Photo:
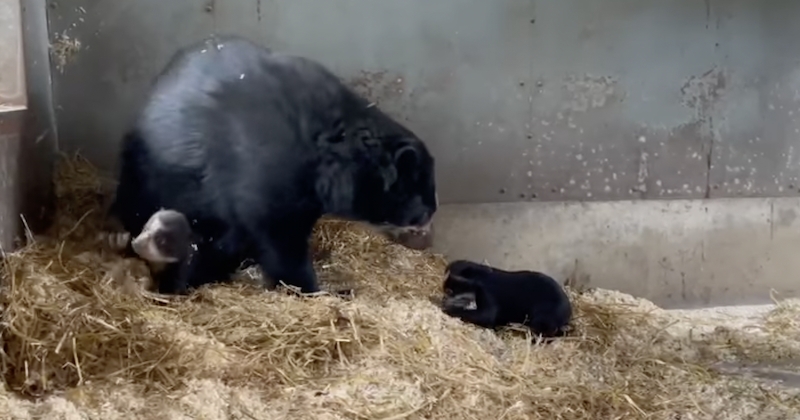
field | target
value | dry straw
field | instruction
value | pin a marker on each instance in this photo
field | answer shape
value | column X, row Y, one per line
column 81, row 336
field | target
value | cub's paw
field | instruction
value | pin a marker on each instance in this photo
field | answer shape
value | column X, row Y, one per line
column 115, row 241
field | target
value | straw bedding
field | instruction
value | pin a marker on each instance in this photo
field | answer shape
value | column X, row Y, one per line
column 81, row 339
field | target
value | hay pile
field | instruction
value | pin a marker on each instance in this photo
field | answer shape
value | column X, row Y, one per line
column 86, row 342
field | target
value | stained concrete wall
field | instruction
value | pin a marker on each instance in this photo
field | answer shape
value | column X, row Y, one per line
column 677, row 253
column 39, row 131
column 12, row 104
column 27, row 124
column 521, row 101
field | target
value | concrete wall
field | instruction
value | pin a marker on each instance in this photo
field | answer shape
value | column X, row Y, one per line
column 27, row 126
column 521, row 101
column 39, row 135
column 677, row 253
column 12, row 104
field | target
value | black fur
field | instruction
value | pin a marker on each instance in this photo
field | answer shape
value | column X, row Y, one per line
column 506, row 297
column 254, row 146
column 178, row 278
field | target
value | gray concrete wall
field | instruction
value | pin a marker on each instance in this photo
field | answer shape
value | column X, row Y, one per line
column 677, row 253
column 525, row 101
column 12, row 104
column 39, row 131
column 520, row 100
column 26, row 148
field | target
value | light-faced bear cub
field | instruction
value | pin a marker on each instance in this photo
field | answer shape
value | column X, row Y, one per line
column 171, row 250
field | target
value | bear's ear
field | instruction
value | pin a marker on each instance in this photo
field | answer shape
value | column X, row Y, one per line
column 406, row 159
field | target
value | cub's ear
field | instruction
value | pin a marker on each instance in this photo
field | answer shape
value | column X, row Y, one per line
column 406, row 159
column 459, row 281
column 468, row 269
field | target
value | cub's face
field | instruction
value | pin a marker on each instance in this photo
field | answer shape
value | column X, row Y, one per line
column 165, row 238
column 462, row 284
column 459, row 294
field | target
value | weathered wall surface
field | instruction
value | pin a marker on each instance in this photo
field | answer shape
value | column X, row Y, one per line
column 520, row 100
column 27, row 126
column 12, row 105
column 38, row 145
column 525, row 101
column 12, row 62
column 677, row 253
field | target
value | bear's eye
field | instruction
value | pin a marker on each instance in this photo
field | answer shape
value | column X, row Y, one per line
column 448, row 292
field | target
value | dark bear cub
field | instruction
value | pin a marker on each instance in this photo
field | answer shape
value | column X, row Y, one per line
column 492, row 298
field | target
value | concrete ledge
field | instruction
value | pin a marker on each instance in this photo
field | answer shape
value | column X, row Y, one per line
column 677, row 253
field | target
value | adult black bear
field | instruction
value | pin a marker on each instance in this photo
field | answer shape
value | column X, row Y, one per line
column 254, row 146
column 492, row 298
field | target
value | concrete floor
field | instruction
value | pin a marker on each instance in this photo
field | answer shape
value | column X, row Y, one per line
column 780, row 372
